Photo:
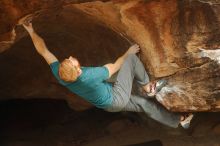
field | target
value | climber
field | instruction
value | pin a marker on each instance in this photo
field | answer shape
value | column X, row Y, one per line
column 90, row 82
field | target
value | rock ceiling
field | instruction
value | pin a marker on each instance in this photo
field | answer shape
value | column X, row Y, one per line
column 179, row 40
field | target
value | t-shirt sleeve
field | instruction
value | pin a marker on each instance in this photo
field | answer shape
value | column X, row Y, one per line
column 102, row 73
column 54, row 68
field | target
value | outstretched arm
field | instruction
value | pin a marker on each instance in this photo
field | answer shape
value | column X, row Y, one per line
column 39, row 44
column 114, row 67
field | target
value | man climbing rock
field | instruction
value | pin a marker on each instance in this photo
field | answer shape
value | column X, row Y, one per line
column 90, row 82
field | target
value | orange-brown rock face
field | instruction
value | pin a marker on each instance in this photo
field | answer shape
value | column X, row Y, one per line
column 171, row 33
column 11, row 11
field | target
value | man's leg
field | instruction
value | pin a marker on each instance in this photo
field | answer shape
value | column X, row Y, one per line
column 153, row 110
column 132, row 68
column 122, row 100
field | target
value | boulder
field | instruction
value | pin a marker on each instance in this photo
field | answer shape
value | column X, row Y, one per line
column 180, row 41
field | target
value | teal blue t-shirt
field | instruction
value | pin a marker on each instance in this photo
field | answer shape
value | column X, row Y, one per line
column 90, row 85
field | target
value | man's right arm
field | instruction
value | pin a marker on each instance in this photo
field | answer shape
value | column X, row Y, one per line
column 40, row 44
column 114, row 67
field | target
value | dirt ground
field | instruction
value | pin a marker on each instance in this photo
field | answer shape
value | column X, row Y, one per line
column 53, row 123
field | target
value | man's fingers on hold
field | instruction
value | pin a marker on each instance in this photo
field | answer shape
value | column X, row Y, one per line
column 135, row 45
column 25, row 19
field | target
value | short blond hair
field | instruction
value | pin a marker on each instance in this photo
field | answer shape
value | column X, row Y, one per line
column 67, row 71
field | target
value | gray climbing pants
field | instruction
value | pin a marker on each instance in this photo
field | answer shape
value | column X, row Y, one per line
column 123, row 100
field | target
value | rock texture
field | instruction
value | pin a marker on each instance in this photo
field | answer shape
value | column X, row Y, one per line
column 171, row 34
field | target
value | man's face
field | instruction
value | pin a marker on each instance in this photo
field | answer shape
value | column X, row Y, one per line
column 75, row 63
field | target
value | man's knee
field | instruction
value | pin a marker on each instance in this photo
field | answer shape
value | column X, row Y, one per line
column 132, row 58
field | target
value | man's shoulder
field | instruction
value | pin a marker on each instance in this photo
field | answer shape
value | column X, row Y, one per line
column 55, row 69
column 94, row 69
column 54, row 65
